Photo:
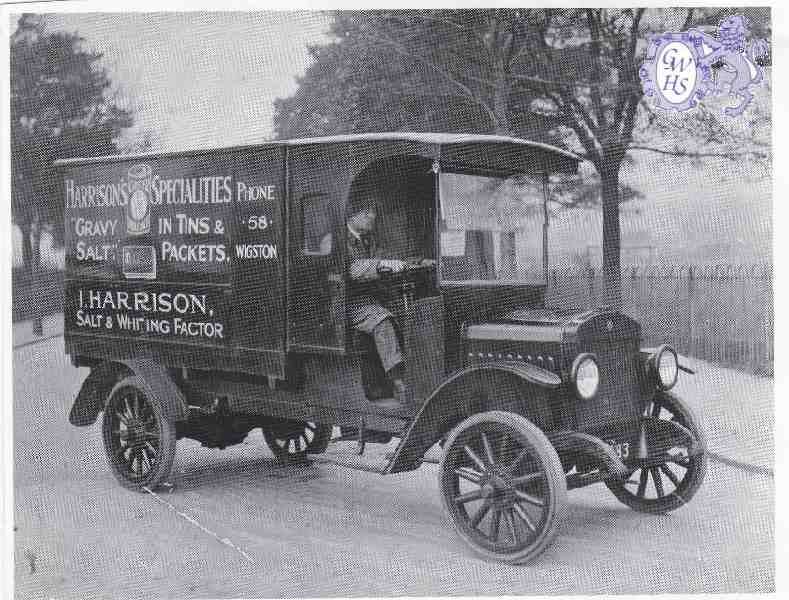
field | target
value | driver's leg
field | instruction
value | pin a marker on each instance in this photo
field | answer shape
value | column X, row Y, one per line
column 387, row 344
column 391, row 355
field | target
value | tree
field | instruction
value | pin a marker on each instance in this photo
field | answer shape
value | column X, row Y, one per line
column 599, row 96
column 61, row 107
column 564, row 75
column 411, row 70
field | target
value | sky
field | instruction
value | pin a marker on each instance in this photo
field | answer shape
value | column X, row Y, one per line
column 200, row 79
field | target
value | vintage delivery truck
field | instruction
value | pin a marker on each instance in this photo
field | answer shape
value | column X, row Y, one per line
column 207, row 293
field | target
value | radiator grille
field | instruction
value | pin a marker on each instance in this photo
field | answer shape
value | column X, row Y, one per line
column 620, row 399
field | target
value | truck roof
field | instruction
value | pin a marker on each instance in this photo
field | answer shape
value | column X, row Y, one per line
column 407, row 136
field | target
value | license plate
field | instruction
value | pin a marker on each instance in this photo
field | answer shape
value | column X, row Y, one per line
column 622, row 449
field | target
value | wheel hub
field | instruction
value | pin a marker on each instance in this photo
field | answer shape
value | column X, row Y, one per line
column 498, row 490
column 136, row 432
column 488, row 491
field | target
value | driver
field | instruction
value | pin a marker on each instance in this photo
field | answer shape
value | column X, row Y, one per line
column 365, row 312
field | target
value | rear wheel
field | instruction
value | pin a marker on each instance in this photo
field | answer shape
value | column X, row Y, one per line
column 665, row 487
column 503, row 485
column 292, row 441
column 139, row 439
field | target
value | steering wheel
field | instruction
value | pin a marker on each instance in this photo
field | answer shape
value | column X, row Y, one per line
column 416, row 265
column 424, row 263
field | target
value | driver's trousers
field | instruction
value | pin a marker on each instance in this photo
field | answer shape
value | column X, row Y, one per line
column 373, row 319
column 387, row 344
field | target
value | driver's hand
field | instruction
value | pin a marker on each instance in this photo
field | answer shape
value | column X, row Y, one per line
column 395, row 265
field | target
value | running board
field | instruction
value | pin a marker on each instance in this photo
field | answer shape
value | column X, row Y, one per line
column 348, row 457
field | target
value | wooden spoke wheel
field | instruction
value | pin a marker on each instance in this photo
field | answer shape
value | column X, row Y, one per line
column 138, row 438
column 503, row 486
column 661, row 488
column 292, row 441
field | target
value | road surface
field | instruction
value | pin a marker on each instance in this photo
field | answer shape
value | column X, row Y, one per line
column 236, row 524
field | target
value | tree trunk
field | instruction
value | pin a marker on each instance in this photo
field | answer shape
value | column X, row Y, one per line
column 35, row 246
column 612, row 275
column 501, row 98
column 27, row 248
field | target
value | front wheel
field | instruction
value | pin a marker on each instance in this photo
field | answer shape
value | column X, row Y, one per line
column 139, row 439
column 503, row 486
column 665, row 487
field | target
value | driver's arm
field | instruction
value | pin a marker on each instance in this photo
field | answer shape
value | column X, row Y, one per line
column 364, row 269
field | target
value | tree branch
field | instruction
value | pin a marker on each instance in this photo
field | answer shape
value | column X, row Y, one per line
column 510, row 52
column 573, row 123
column 582, row 112
column 594, row 32
column 430, row 17
column 574, row 83
column 688, row 19
column 689, row 154
column 628, row 70
column 400, row 50
column 629, row 121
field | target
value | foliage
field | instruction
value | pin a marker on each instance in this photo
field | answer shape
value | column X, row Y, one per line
column 412, row 70
column 60, row 108
column 567, row 76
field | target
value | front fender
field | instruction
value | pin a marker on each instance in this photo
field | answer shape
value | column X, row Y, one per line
column 527, row 371
column 521, row 388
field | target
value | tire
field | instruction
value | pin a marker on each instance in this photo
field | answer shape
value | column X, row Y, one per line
column 139, row 439
column 292, row 441
column 635, row 492
column 502, row 463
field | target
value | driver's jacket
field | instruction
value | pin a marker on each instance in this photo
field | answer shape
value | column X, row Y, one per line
column 364, row 311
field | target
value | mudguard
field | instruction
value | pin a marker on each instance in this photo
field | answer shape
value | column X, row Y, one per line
column 517, row 387
column 93, row 395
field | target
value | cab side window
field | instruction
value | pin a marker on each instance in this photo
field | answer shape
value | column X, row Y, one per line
column 316, row 225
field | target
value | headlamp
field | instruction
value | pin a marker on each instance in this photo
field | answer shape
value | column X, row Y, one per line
column 666, row 367
column 585, row 375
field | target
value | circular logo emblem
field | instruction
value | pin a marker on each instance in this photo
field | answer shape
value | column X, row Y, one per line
column 672, row 74
column 609, row 325
column 676, row 72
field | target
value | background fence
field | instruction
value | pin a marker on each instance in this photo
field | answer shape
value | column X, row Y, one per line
column 721, row 313
column 36, row 296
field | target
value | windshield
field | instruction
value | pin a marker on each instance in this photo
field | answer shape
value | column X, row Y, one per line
column 491, row 228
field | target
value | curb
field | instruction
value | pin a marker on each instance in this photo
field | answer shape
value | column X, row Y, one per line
column 39, row 340
column 738, row 464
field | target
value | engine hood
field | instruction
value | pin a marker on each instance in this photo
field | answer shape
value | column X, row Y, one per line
column 541, row 316
column 555, row 325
